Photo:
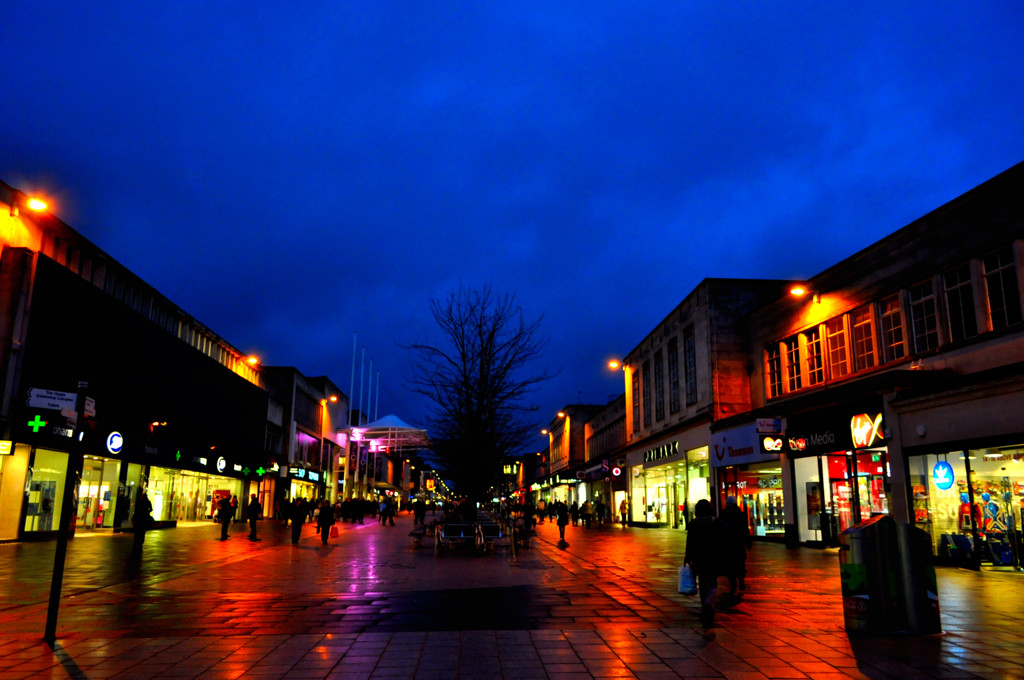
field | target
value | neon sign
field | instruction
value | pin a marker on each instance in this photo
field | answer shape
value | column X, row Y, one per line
column 865, row 430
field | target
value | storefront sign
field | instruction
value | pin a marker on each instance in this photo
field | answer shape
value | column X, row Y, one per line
column 773, row 444
column 663, row 451
column 942, row 475
column 297, row 473
column 221, row 464
column 866, row 430
column 115, row 442
column 770, row 425
column 312, row 476
column 739, row 446
column 6, row 448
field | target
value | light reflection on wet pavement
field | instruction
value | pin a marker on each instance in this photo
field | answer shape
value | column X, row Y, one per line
column 612, row 590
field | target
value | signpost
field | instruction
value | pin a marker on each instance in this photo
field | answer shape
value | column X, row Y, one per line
column 58, row 401
column 68, row 509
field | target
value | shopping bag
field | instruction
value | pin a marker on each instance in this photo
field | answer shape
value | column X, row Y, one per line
column 687, row 582
column 334, row 532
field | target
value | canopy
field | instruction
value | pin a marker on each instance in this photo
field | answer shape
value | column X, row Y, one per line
column 392, row 432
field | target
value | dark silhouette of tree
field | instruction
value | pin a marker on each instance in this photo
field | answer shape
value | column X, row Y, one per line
column 478, row 381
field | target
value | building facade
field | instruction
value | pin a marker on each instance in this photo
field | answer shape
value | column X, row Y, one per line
column 895, row 384
column 171, row 407
column 689, row 372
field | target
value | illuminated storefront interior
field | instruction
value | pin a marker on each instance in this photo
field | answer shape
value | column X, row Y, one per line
column 943, row 503
column 665, row 494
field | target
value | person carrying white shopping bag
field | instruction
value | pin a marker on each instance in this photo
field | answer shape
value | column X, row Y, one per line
column 704, row 545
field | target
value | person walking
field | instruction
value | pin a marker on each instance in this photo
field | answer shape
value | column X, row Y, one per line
column 562, row 518
column 234, row 507
column 541, row 510
column 298, row 519
column 252, row 512
column 704, row 545
column 586, row 513
column 142, row 519
column 599, row 512
column 324, row 521
column 574, row 513
column 224, row 514
column 623, row 510
column 737, row 542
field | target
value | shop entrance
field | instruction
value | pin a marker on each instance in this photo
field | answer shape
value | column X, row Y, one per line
column 95, row 501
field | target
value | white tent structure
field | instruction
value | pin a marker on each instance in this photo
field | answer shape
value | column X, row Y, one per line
column 391, row 432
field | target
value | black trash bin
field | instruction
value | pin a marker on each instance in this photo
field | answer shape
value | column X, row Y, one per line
column 869, row 569
column 918, row 584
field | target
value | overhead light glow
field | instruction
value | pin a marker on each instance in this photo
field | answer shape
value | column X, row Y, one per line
column 36, row 204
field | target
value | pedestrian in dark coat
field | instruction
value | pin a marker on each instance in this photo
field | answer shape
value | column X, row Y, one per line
column 704, row 546
column 142, row 519
column 224, row 514
column 252, row 513
column 562, row 515
column 298, row 518
column 324, row 521
column 737, row 542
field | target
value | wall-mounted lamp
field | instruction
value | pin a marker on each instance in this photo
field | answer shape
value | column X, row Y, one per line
column 32, row 203
column 561, row 414
column 800, row 290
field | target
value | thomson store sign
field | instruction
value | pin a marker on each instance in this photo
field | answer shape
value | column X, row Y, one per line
column 742, row 446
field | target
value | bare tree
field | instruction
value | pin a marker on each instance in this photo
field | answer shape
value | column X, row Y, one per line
column 478, row 382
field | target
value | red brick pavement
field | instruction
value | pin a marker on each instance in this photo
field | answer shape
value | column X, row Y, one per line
column 370, row 606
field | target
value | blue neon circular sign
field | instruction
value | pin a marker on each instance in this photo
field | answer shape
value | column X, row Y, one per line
column 114, row 442
column 942, row 475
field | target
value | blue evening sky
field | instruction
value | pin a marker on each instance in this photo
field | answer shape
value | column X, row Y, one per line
column 291, row 173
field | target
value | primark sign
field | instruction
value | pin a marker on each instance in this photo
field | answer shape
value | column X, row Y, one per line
column 668, row 450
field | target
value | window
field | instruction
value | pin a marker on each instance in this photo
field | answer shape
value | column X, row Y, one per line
column 647, row 393
column 963, row 323
column 773, row 371
column 793, row 379
column 815, row 365
column 673, row 376
column 838, row 354
column 636, row 401
column 923, row 324
column 1002, row 289
column 690, row 355
column 891, row 320
column 862, row 322
column 659, row 386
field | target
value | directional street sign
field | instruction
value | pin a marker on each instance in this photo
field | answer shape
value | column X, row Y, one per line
column 58, row 401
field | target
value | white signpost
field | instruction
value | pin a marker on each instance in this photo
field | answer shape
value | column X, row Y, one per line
column 58, row 401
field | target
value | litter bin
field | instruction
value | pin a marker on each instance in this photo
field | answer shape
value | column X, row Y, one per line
column 919, row 586
column 869, row 570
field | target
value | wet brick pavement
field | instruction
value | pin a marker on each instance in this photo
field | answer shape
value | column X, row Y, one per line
column 371, row 606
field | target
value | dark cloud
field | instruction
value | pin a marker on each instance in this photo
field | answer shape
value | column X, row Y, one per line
column 291, row 175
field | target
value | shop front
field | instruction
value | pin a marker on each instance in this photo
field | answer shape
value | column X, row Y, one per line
column 748, row 466
column 841, row 472
column 987, row 512
column 116, row 470
column 303, row 483
column 666, row 480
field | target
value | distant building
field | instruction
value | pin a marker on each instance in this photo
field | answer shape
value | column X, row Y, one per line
column 691, row 370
